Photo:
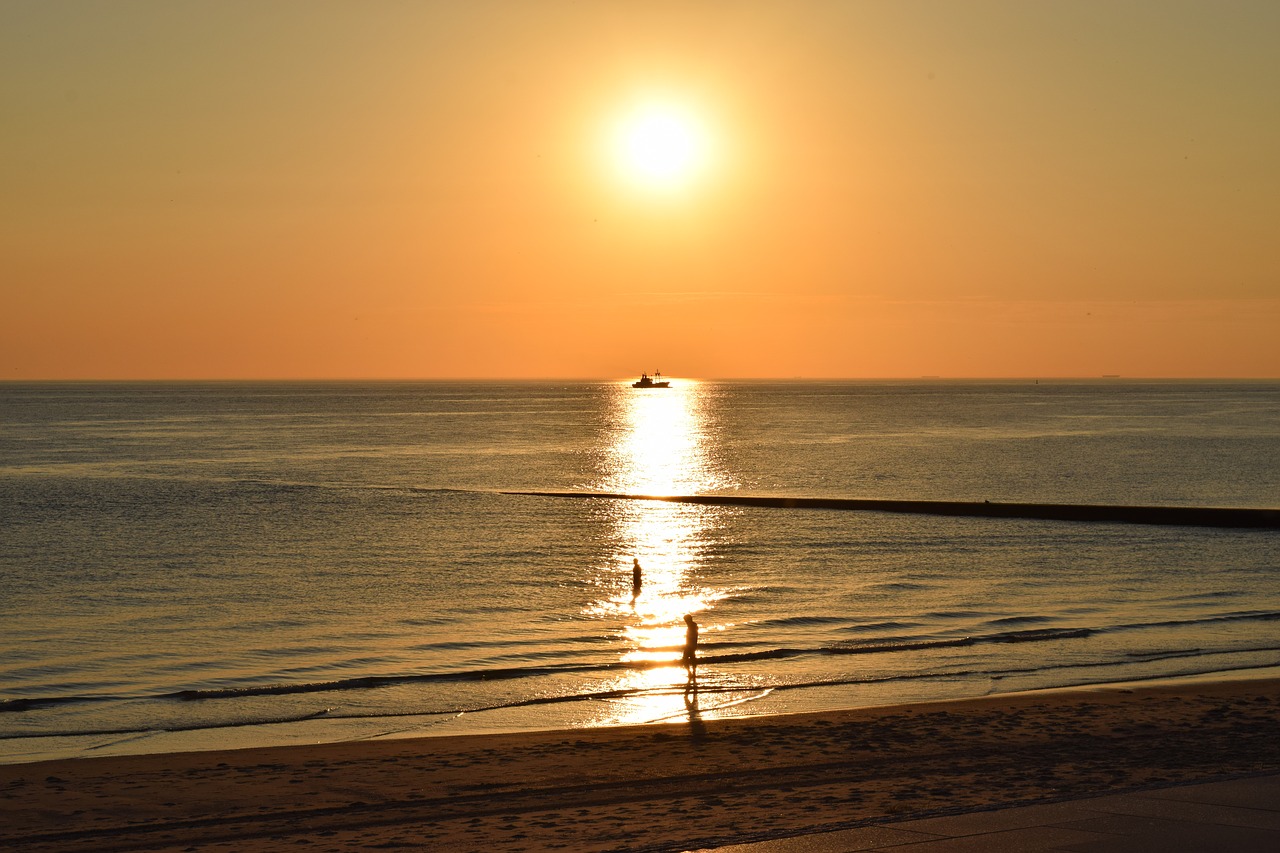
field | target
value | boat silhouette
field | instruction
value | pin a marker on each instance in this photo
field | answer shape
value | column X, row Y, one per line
column 656, row 381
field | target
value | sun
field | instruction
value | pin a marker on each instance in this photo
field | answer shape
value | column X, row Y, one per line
column 660, row 146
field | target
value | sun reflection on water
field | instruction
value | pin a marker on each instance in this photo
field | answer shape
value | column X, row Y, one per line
column 662, row 446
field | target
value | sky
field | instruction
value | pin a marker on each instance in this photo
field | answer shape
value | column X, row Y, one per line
column 400, row 190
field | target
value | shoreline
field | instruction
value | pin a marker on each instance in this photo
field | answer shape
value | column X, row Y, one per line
column 715, row 703
column 679, row 786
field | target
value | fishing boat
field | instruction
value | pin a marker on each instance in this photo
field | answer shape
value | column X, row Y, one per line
column 656, row 381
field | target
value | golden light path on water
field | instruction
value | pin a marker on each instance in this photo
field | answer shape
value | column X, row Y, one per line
column 663, row 445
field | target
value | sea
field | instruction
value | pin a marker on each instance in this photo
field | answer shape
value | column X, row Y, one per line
column 208, row 565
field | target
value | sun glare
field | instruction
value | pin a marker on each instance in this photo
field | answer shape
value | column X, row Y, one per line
column 660, row 146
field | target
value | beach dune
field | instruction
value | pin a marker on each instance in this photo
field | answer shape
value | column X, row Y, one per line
column 669, row 787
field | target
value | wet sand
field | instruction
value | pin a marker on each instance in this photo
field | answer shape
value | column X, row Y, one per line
column 673, row 787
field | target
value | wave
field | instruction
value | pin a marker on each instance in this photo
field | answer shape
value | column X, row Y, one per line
column 1036, row 635
column 898, row 586
column 889, row 625
column 195, row 727
column 12, row 706
column 907, row 646
column 801, row 621
column 709, row 655
column 999, row 674
column 370, row 682
column 1244, row 616
column 1019, row 620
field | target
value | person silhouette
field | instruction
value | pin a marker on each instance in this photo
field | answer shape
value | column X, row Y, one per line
column 690, row 658
column 635, row 577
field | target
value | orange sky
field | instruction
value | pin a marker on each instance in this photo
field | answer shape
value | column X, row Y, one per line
column 428, row 189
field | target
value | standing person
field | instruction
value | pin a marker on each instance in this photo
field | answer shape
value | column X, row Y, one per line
column 635, row 577
column 690, row 658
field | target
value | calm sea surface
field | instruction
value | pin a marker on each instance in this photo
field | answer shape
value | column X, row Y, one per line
column 202, row 565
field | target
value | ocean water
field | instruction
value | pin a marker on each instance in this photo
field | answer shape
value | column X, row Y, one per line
column 192, row 566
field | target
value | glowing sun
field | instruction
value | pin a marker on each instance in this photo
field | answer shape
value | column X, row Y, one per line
column 660, row 146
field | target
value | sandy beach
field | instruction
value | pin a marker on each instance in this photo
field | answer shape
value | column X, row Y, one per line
column 671, row 787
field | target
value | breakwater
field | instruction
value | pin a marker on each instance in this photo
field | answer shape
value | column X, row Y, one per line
column 1185, row 516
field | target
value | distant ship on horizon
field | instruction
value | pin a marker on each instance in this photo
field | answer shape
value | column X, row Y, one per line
column 656, row 381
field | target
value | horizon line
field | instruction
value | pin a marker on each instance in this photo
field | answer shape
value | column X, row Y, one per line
column 394, row 379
